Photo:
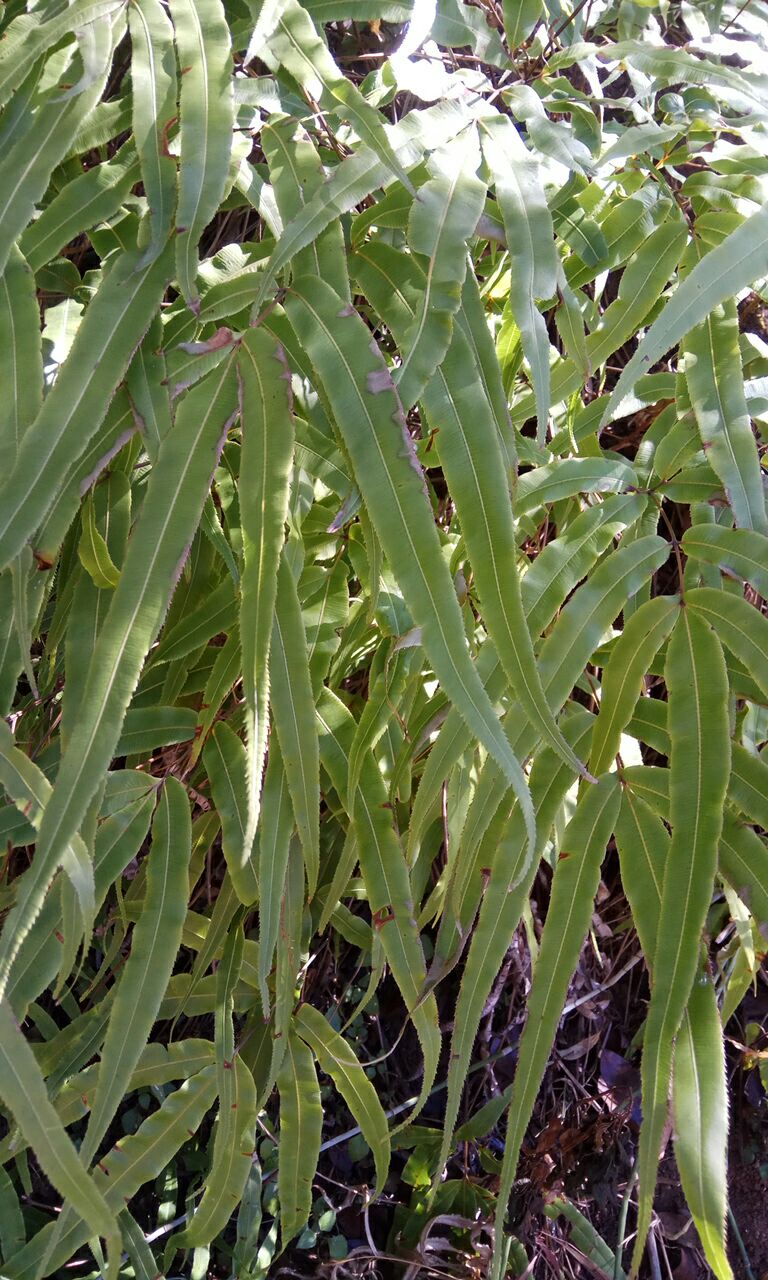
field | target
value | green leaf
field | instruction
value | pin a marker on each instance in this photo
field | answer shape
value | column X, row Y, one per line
column 118, row 839
column 643, row 844
column 155, row 942
column 584, row 1236
column 370, row 418
column 474, row 324
column 297, row 173
column 147, row 386
column 301, row 1123
column 21, row 365
column 159, row 541
column 116, row 430
column 263, row 487
column 520, row 20
column 700, row 1109
column 567, row 476
column 94, row 197
column 147, row 728
column 355, row 178
column 748, row 787
column 575, row 883
column 296, row 45
column 642, row 281
column 716, row 387
column 12, row 1229
column 443, row 216
column 153, row 101
column 26, row 167
column 740, row 626
column 274, row 845
column 741, row 552
column 233, row 1144
column 224, row 759
column 31, row 791
column 337, row 1058
column 93, row 551
column 154, row 945
column 293, row 708
column 553, row 576
column 24, row 1093
column 27, row 37
column 223, row 674
column 741, row 258
column 206, row 112
column 500, row 911
column 744, row 863
column 699, row 1096
column 473, row 463
column 216, row 612
column 110, row 516
column 135, row 1160
column 700, row 761
column 530, row 237
column 643, row 635
column 141, row 1256
column 74, row 409
column 388, row 886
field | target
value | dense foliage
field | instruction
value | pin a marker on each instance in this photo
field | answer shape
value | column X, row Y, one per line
column 382, row 529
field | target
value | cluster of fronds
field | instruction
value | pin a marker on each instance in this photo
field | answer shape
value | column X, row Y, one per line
column 381, row 514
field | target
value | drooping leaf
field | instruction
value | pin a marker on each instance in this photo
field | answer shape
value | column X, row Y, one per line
column 159, row 541
column 699, row 1099
column 274, row 844
column 224, row 759
column 699, row 767
column 267, row 426
column 301, row 1122
column 370, row 419
column 154, row 945
column 337, row 1058
column 153, row 73
column 23, row 1091
column 574, row 887
column 385, row 872
column 737, row 551
column 716, row 387
column 136, row 1159
column 444, row 214
column 293, row 707
column 233, row 1145
column 206, row 112
column 499, row 914
column 741, row 258
column 473, row 462
column 643, row 635
column 529, row 232
column 72, row 412
column 700, row 1108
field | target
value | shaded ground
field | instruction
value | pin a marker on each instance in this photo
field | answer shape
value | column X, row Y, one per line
column 582, row 1142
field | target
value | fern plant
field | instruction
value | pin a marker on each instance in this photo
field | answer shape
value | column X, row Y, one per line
column 381, row 513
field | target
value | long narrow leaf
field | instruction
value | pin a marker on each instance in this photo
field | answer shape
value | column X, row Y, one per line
column 370, row 418
column 206, row 109
column 267, row 450
column 160, row 540
column 699, row 767
column 574, row 887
